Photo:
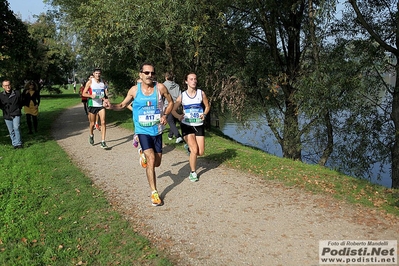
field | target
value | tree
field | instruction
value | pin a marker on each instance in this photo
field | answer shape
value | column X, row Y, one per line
column 378, row 20
column 252, row 57
column 347, row 84
column 249, row 46
column 53, row 57
column 275, row 63
column 34, row 51
column 171, row 34
column 15, row 46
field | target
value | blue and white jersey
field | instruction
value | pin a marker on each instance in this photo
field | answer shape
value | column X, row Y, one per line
column 193, row 108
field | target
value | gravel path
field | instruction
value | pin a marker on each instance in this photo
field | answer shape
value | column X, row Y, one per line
column 228, row 217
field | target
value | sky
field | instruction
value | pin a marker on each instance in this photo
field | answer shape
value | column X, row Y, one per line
column 25, row 9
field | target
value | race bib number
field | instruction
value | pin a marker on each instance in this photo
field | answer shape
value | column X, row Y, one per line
column 192, row 115
column 149, row 120
column 99, row 94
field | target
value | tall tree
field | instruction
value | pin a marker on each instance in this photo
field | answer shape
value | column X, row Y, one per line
column 275, row 63
column 379, row 21
column 15, row 46
column 53, row 59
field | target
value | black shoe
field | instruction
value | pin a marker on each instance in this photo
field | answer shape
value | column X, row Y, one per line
column 18, row 147
column 91, row 140
column 104, row 146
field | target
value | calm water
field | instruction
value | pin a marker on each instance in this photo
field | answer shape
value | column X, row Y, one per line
column 261, row 137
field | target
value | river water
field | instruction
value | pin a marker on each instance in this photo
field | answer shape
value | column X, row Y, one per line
column 261, row 138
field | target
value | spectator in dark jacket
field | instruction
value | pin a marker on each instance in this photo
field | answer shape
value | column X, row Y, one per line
column 11, row 105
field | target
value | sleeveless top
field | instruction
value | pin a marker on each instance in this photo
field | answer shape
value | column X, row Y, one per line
column 193, row 108
column 97, row 89
column 147, row 110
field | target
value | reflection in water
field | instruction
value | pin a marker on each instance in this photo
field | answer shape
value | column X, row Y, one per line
column 252, row 136
column 261, row 137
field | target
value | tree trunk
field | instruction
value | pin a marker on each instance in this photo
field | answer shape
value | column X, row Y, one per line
column 315, row 52
column 292, row 138
column 168, row 51
column 395, row 119
column 330, row 141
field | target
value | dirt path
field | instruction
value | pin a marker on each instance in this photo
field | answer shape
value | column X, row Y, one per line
column 227, row 218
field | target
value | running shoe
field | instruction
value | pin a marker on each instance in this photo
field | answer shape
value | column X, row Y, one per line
column 135, row 141
column 97, row 126
column 179, row 139
column 187, row 148
column 169, row 138
column 155, row 199
column 103, row 145
column 193, row 177
column 143, row 160
column 91, row 140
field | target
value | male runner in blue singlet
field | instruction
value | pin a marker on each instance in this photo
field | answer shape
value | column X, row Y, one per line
column 149, row 118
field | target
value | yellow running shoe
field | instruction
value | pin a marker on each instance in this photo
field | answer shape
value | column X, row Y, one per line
column 142, row 160
column 155, row 199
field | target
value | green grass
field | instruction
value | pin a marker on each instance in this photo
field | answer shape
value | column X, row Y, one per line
column 314, row 178
column 51, row 214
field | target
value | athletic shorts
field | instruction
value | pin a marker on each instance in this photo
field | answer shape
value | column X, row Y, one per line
column 197, row 130
column 95, row 110
column 151, row 142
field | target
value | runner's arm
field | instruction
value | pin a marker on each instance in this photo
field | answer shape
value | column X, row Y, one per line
column 176, row 106
column 165, row 93
column 128, row 99
column 206, row 104
column 85, row 92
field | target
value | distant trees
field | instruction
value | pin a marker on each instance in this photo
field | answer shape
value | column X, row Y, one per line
column 52, row 59
column 35, row 50
column 15, row 46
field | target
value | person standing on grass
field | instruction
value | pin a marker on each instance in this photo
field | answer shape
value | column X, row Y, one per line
column 149, row 118
column 11, row 105
column 97, row 98
column 174, row 90
column 193, row 101
column 74, row 86
column 31, row 99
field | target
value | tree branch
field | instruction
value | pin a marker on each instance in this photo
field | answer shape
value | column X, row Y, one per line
column 373, row 34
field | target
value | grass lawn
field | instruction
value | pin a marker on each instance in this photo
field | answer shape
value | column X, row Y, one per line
column 50, row 212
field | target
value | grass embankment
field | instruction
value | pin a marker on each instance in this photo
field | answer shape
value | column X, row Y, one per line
column 50, row 212
column 52, row 215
